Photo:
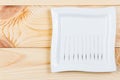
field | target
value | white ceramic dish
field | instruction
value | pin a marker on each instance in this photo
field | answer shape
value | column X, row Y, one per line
column 83, row 39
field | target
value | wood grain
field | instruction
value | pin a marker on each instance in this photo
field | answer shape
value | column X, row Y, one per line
column 31, row 26
column 60, row 2
column 26, row 28
column 34, row 64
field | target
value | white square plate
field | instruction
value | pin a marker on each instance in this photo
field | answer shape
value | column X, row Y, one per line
column 83, row 39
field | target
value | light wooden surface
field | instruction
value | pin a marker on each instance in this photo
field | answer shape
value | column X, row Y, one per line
column 34, row 64
column 32, row 27
column 60, row 2
column 35, row 31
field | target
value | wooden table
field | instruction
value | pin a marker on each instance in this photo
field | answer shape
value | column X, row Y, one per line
column 29, row 57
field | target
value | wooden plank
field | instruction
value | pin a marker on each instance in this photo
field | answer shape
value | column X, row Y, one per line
column 33, row 27
column 33, row 64
column 42, row 73
column 60, row 2
column 23, row 57
column 26, row 28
